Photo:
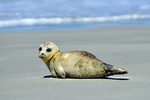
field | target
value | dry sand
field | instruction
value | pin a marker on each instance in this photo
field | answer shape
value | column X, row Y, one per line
column 22, row 72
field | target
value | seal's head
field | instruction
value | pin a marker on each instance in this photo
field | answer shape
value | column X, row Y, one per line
column 47, row 50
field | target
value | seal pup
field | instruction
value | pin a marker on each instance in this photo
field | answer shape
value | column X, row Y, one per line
column 75, row 64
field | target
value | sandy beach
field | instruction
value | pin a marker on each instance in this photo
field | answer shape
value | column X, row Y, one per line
column 22, row 72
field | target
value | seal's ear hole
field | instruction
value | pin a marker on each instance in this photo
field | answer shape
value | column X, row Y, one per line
column 40, row 48
column 48, row 49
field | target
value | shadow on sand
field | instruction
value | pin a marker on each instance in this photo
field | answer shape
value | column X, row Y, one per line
column 48, row 76
column 108, row 78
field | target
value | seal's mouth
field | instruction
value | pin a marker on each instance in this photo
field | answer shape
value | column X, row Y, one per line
column 42, row 56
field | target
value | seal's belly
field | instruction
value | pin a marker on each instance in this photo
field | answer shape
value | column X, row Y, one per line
column 84, row 69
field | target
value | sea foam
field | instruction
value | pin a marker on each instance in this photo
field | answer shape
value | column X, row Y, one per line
column 60, row 20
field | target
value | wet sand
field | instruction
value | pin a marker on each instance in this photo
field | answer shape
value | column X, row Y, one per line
column 22, row 72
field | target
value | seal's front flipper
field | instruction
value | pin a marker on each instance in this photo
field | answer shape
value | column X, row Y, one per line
column 113, row 70
column 60, row 71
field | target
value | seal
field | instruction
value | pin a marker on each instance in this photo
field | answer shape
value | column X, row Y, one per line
column 75, row 64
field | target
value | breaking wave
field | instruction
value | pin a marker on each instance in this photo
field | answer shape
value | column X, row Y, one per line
column 59, row 20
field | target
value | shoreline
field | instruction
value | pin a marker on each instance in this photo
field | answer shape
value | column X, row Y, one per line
column 80, row 29
column 25, row 30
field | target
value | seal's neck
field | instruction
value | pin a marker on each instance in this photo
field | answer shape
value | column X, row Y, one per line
column 47, row 60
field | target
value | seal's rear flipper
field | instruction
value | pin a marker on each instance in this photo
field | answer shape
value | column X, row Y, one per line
column 113, row 70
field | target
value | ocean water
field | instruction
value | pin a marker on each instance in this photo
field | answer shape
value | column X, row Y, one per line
column 54, row 15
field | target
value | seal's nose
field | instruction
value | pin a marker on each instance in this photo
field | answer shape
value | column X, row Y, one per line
column 42, row 53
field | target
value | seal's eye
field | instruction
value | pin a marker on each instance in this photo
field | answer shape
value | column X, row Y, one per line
column 40, row 49
column 48, row 49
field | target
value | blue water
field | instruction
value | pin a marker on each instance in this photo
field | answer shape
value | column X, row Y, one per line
column 53, row 15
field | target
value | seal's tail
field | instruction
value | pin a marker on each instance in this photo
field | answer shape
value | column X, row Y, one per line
column 113, row 70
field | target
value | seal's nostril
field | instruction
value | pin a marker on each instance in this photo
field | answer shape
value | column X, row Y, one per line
column 42, row 53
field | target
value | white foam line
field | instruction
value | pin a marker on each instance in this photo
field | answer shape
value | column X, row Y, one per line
column 34, row 21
